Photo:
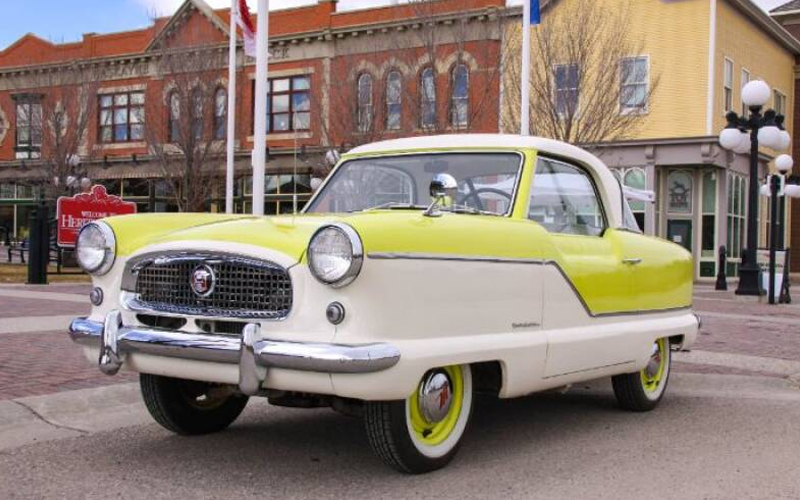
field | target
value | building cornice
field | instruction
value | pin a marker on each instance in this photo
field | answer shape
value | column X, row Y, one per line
column 379, row 28
column 785, row 13
column 771, row 26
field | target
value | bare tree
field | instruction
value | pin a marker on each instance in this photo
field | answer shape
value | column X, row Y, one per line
column 182, row 129
column 585, row 87
column 60, row 121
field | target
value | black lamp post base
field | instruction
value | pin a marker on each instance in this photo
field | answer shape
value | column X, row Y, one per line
column 749, row 282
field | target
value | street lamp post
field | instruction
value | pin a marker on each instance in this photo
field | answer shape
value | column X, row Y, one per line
column 777, row 189
column 753, row 131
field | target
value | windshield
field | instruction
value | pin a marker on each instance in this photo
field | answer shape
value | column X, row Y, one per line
column 486, row 183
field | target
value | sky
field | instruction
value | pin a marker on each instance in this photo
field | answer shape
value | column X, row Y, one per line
column 66, row 21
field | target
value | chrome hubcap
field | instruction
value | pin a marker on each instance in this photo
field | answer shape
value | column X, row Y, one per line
column 654, row 364
column 435, row 397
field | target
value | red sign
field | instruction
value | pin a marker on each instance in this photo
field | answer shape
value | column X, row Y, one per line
column 73, row 213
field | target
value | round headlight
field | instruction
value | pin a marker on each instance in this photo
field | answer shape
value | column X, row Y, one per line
column 335, row 255
column 96, row 248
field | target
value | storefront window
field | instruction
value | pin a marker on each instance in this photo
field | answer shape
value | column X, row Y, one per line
column 162, row 188
column 279, row 193
column 737, row 226
column 26, row 192
column 112, row 186
column 15, row 211
column 23, row 223
column 7, row 192
column 679, row 192
column 659, row 178
column 6, row 222
column 708, row 240
column 136, row 188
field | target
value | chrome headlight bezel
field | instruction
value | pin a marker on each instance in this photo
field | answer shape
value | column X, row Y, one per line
column 356, row 255
column 109, row 248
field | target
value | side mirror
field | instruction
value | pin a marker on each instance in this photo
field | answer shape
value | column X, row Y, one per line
column 440, row 185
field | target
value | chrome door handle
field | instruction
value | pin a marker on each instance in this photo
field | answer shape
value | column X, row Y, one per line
column 632, row 262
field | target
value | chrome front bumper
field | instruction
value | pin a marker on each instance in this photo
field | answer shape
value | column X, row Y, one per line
column 253, row 354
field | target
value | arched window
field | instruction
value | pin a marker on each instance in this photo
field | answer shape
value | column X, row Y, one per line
column 459, row 110
column 394, row 106
column 364, row 102
column 220, row 113
column 198, row 108
column 174, row 117
column 428, row 98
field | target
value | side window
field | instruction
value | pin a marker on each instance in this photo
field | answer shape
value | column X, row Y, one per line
column 564, row 200
column 631, row 223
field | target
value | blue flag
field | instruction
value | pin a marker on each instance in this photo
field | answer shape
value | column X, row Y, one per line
column 536, row 13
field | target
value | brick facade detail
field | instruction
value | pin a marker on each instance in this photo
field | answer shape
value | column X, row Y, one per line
column 331, row 47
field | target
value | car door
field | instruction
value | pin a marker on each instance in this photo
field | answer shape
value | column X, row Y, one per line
column 587, row 277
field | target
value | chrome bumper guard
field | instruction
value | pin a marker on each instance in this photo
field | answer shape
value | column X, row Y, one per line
column 253, row 355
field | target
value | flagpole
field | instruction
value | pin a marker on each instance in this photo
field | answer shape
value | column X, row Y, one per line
column 525, row 77
column 229, row 172
column 260, row 129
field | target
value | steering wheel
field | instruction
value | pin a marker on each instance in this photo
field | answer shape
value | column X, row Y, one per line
column 476, row 194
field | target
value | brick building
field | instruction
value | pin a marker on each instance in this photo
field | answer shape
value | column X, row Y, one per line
column 337, row 79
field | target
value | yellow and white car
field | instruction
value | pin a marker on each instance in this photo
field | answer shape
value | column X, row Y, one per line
column 423, row 271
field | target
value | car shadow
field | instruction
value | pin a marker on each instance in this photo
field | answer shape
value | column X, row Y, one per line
column 321, row 448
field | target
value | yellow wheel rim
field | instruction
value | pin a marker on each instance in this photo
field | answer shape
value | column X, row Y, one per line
column 651, row 379
column 435, row 433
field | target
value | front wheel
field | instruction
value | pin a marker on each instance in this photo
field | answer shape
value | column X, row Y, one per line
column 422, row 433
column 189, row 407
column 642, row 391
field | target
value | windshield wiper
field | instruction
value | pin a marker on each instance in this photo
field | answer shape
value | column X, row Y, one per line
column 392, row 205
column 464, row 209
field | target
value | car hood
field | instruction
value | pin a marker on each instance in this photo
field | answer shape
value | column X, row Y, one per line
column 380, row 231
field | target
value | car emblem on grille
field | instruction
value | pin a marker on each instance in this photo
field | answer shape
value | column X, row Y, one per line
column 202, row 281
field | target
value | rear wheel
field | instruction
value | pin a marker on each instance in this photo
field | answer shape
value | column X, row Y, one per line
column 423, row 433
column 189, row 407
column 642, row 391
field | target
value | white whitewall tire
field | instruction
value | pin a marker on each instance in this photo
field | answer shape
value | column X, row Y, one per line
column 423, row 432
column 643, row 390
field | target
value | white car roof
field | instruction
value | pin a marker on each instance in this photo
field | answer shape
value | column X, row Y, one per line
column 607, row 184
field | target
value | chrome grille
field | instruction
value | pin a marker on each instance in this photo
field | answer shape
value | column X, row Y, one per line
column 243, row 288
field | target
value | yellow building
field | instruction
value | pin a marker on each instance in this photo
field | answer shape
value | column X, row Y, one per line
column 693, row 57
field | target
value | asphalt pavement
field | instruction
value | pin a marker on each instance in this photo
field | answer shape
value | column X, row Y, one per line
column 714, row 437
column 728, row 428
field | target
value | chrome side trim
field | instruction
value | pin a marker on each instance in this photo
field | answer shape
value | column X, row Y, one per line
column 451, row 258
column 623, row 363
column 504, row 260
column 302, row 356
